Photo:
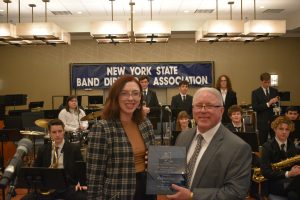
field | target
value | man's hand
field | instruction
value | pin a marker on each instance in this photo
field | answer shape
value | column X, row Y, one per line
column 146, row 109
column 295, row 171
column 181, row 194
column 78, row 187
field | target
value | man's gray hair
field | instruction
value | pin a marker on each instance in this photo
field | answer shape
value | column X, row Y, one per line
column 211, row 90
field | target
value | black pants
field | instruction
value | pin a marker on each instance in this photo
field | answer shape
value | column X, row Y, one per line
column 140, row 191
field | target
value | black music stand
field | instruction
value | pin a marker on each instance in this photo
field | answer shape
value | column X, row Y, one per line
column 41, row 178
column 36, row 104
column 250, row 138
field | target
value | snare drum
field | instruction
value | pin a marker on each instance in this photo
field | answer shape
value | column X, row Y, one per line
column 73, row 136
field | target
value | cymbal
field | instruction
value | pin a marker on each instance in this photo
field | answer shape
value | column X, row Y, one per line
column 91, row 116
column 33, row 133
column 43, row 123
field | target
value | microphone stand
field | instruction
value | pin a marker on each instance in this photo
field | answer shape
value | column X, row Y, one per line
column 170, row 126
column 11, row 191
column 161, row 126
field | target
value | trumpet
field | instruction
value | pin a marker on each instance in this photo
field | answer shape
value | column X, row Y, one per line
column 276, row 107
column 54, row 164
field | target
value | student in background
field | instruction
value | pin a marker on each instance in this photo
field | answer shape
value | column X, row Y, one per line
column 264, row 99
column 293, row 114
column 71, row 116
column 66, row 156
column 182, row 101
column 237, row 124
column 286, row 181
column 228, row 95
column 182, row 121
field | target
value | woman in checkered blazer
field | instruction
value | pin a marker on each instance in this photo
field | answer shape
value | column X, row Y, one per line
column 118, row 145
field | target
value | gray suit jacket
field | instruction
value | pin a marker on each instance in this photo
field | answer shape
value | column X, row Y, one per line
column 224, row 169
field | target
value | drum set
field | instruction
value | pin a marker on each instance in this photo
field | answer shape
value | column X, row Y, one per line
column 78, row 137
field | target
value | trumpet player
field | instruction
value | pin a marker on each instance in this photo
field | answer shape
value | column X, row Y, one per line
column 60, row 154
column 264, row 100
column 286, row 180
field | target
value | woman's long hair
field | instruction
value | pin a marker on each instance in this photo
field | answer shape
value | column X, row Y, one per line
column 218, row 84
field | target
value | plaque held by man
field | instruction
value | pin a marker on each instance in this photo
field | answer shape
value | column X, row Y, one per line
column 166, row 165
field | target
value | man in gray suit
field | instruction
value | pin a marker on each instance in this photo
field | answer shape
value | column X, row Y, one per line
column 222, row 167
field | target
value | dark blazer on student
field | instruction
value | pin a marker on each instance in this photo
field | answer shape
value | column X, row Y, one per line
column 271, row 154
column 71, row 154
column 246, row 128
column 259, row 104
column 152, row 103
column 177, row 105
column 265, row 114
column 230, row 100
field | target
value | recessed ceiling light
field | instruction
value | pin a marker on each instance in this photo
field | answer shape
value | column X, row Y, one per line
column 79, row 12
column 186, row 11
column 1, row 10
column 261, row 7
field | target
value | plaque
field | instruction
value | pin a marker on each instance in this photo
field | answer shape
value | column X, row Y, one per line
column 166, row 165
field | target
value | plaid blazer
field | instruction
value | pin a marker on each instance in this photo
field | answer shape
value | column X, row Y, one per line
column 110, row 160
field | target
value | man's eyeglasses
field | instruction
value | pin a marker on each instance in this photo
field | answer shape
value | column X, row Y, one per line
column 206, row 107
column 135, row 94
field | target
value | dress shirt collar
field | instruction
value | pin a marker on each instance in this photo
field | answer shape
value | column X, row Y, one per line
column 280, row 143
column 265, row 90
column 223, row 91
column 208, row 135
column 145, row 90
column 61, row 145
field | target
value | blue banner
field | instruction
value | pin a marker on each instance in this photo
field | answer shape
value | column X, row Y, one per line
column 162, row 75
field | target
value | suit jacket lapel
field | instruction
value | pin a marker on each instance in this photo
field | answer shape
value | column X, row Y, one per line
column 66, row 152
column 208, row 154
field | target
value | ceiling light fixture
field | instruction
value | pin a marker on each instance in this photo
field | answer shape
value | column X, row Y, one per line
column 41, row 32
column 151, row 31
column 264, row 29
column 220, row 30
column 7, row 30
column 110, row 31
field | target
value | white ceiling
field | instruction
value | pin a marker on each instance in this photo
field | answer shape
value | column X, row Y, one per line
column 179, row 12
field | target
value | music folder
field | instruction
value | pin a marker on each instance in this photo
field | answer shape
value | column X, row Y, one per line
column 166, row 166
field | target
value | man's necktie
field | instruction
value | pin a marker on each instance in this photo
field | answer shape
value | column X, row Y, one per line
column 183, row 98
column 267, row 92
column 192, row 161
column 144, row 95
column 55, row 158
column 282, row 151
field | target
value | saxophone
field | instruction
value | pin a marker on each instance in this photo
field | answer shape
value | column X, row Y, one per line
column 257, row 173
column 54, row 164
column 54, row 161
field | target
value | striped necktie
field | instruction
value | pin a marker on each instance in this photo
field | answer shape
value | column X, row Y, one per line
column 193, row 159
